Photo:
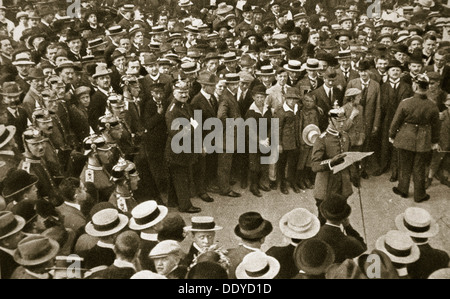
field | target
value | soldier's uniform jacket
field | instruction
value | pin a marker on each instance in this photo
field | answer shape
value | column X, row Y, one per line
column 123, row 203
column 180, row 110
column 328, row 145
column 46, row 184
column 415, row 126
column 96, row 175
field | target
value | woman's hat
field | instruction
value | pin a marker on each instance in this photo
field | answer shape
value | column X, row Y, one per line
column 106, row 222
column 6, row 134
column 146, row 215
column 16, row 181
column 257, row 265
column 252, row 226
column 203, row 224
column 223, row 8
column 313, row 256
column 35, row 250
column 299, row 224
column 10, row 224
column 335, row 208
column 293, row 66
column 310, row 134
column 417, row 223
column 399, row 247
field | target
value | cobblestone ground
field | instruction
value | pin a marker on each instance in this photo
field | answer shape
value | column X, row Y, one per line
column 379, row 204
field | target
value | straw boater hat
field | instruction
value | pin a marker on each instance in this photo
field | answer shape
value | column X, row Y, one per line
column 190, row 67
column 266, row 70
column 10, row 224
column 310, row 134
column 146, row 215
column 35, row 250
column 417, row 223
column 293, row 66
column 6, row 134
column 22, row 59
column 257, row 265
column 115, row 30
column 399, row 247
column 202, row 224
column 299, row 224
column 106, row 223
column 312, row 64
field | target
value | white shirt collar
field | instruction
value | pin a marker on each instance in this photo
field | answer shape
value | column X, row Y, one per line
column 365, row 83
column 255, row 108
column 123, row 264
column 104, row 245
column 340, row 226
column 327, row 89
column 197, row 247
column 207, row 96
column 402, row 272
column 106, row 92
column 73, row 205
column 149, row 237
column 251, row 248
column 154, row 78
column 287, row 108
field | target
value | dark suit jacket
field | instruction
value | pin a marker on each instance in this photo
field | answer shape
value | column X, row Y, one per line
column 97, row 108
column 146, row 262
column 304, row 85
column 342, row 81
column 247, row 101
column 7, row 265
column 114, row 272
column 73, row 218
column 445, row 79
column 345, row 247
column 79, row 120
column 325, row 104
column 189, row 257
column 115, row 80
column 155, row 137
column 285, row 255
column 430, row 260
column 228, row 108
column 29, row 102
column 99, row 256
column 199, row 102
column 147, row 82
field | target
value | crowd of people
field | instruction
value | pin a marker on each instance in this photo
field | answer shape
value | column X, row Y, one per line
column 93, row 103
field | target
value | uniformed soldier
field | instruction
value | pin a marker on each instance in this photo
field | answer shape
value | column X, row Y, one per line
column 415, row 132
column 99, row 154
column 111, row 129
column 125, row 178
column 180, row 163
column 34, row 163
column 328, row 152
column 43, row 121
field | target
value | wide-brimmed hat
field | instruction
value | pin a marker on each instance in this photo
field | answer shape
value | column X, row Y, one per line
column 10, row 224
column 223, row 8
column 335, row 208
column 313, row 256
column 310, row 134
column 266, row 70
column 203, row 224
column 207, row 78
column 147, row 214
column 36, row 73
column 252, row 226
column 6, row 134
column 417, row 223
column 299, row 224
column 101, row 70
column 106, row 223
column 257, row 265
column 11, row 89
column 399, row 247
column 16, row 181
column 35, row 250
column 67, row 64
column 293, row 66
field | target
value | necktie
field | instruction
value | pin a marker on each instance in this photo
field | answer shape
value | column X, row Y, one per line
column 213, row 102
column 313, row 83
column 330, row 95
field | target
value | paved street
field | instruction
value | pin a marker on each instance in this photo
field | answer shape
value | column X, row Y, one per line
column 380, row 207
